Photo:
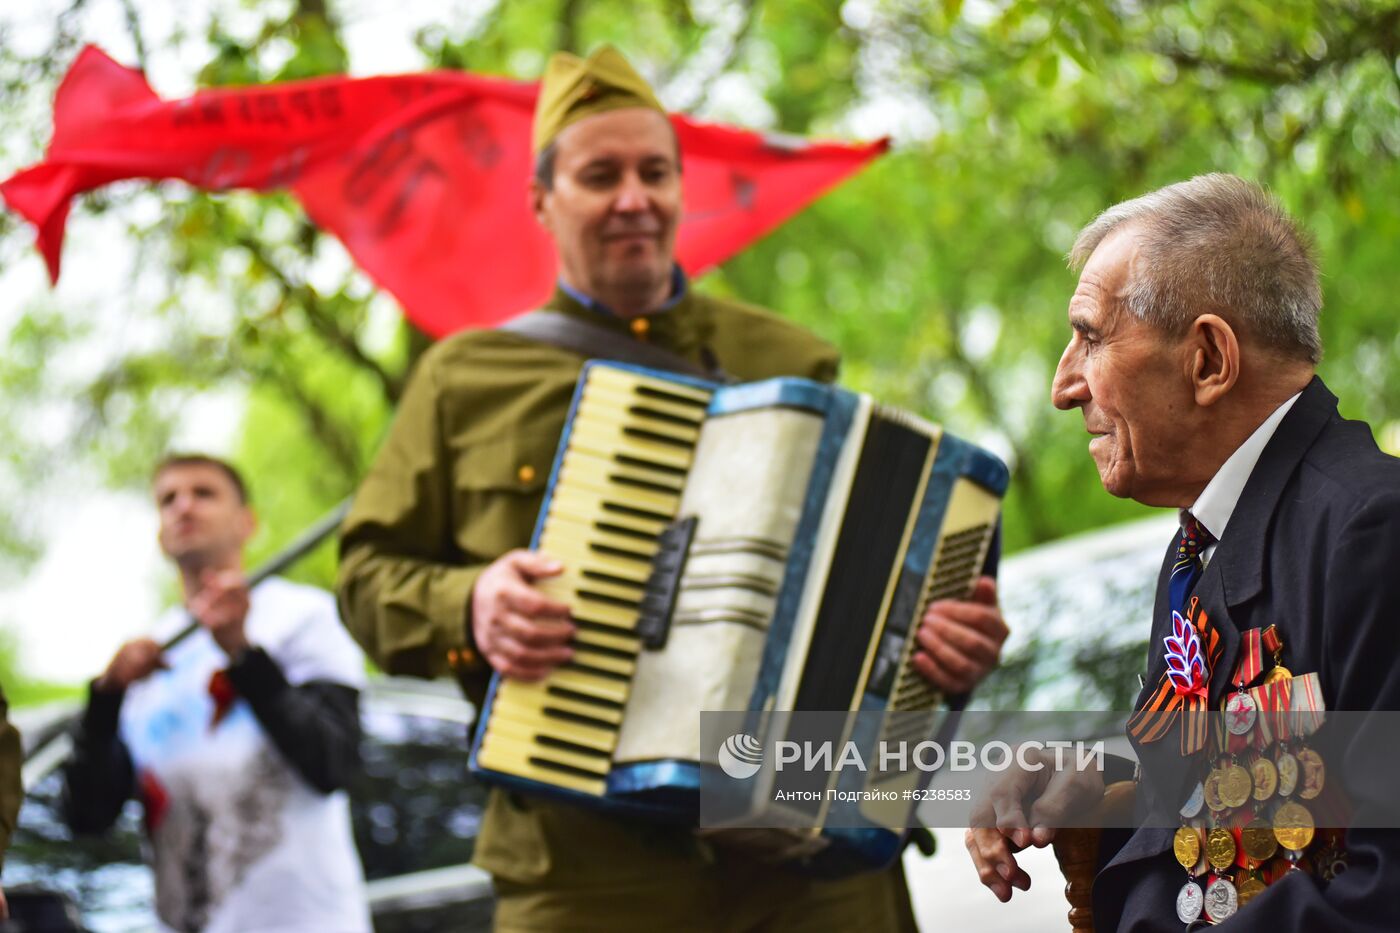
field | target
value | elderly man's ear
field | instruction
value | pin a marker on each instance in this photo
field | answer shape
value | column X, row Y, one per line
column 1213, row 360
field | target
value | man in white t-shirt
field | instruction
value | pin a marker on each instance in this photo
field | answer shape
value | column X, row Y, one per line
column 238, row 741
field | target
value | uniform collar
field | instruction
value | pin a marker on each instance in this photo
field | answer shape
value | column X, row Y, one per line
column 684, row 325
column 679, row 288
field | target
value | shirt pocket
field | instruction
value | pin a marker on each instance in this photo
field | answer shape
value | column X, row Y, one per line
column 499, row 486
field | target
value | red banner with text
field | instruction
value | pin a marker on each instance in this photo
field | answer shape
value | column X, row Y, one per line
column 422, row 177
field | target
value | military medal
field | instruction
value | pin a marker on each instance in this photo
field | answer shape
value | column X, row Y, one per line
column 1187, row 847
column 1210, row 791
column 1188, row 902
column 1240, row 713
column 1265, row 778
column 1330, row 860
column 1259, row 842
column 1259, row 722
column 1273, row 643
column 1314, row 774
column 1250, row 888
column 1220, row 849
column 1221, row 900
column 1293, row 826
column 1235, row 786
column 1287, row 774
column 1194, row 803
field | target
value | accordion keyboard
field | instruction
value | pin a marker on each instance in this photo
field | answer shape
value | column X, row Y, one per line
column 618, row 485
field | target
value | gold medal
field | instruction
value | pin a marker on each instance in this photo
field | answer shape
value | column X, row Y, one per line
column 1293, row 826
column 1258, row 840
column 1220, row 849
column 1187, row 846
column 1314, row 774
column 1276, row 673
column 1235, row 786
column 1287, row 774
column 1265, row 778
column 1211, row 790
column 1249, row 888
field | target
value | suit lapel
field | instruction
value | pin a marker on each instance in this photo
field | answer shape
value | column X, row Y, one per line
column 1245, row 546
column 1211, row 593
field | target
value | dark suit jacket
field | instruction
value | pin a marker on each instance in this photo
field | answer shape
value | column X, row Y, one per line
column 1313, row 547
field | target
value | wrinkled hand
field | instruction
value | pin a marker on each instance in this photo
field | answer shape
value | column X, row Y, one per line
column 221, row 606
column 1002, row 826
column 135, row 660
column 521, row 632
column 960, row 641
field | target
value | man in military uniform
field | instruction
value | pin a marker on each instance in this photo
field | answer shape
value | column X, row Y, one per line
column 434, row 574
column 1192, row 356
column 11, row 790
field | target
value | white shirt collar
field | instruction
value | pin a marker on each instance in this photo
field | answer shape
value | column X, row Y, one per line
column 1218, row 500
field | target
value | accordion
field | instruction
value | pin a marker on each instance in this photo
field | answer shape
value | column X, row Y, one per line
column 769, row 546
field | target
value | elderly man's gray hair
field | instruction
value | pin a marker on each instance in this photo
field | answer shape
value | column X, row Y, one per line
column 1217, row 244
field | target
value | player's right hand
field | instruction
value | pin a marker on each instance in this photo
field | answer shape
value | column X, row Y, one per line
column 135, row 660
column 518, row 630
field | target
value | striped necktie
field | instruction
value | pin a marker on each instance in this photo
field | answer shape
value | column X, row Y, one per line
column 1186, row 571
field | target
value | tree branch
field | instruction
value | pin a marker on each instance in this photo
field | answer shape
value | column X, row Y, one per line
column 310, row 302
column 569, row 11
column 133, row 28
column 337, row 443
column 731, row 54
column 1369, row 34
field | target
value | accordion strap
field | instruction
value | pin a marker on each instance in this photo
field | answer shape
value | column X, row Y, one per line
column 596, row 342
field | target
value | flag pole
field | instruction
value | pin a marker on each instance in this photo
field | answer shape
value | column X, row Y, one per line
column 302, row 545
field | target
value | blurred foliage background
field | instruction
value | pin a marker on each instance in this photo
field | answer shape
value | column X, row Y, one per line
column 939, row 271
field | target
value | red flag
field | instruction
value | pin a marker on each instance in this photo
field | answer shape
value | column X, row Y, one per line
column 422, row 177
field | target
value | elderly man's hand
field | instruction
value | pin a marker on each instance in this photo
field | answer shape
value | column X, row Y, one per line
column 521, row 632
column 960, row 642
column 221, row 606
column 1002, row 825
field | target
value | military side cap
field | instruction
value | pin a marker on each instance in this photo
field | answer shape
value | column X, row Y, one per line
column 574, row 88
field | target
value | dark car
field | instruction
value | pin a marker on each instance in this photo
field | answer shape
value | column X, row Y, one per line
column 415, row 811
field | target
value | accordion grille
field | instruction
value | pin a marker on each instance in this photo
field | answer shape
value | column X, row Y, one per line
column 960, row 557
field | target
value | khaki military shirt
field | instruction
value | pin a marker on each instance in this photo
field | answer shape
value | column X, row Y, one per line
column 459, row 481
column 11, row 789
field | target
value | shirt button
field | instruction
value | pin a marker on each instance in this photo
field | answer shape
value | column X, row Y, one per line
column 454, row 658
column 526, row 473
column 640, row 327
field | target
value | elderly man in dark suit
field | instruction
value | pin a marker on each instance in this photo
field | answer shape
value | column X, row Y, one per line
column 1192, row 357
